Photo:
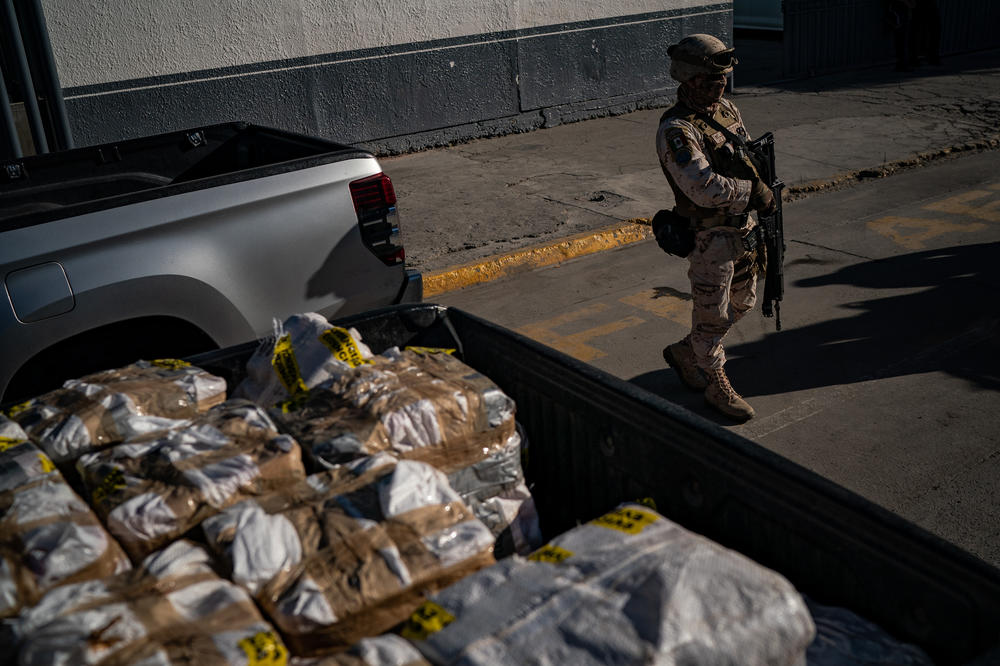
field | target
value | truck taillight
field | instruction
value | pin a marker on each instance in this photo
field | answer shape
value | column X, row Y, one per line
column 375, row 203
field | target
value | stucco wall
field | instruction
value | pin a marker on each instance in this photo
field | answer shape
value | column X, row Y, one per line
column 390, row 74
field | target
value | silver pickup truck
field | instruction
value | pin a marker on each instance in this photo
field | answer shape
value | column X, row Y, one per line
column 185, row 242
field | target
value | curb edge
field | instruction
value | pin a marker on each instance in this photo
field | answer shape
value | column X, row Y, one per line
column 624, row 233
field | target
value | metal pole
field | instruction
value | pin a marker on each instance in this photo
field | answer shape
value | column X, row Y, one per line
column 10, row 147
column 53, row 90
column 30, row 102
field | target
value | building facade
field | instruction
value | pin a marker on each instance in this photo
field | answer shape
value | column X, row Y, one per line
column 392, row 75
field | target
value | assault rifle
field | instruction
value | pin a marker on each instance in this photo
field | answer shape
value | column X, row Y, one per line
column 762, row 154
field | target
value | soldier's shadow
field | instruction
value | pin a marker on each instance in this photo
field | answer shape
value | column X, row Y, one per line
column 930, row 311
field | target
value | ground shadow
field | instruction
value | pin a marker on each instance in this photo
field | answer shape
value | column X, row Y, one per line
column 935, row 310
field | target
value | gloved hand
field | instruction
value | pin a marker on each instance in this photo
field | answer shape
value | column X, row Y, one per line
column 761, row 199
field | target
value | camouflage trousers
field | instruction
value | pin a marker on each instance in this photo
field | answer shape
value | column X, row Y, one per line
column 723, row 287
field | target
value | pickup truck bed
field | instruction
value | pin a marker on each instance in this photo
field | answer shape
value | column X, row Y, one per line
column 48, row 187
column 595, row 441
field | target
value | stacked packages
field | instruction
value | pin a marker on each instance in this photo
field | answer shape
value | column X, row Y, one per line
column 332, row 558
column 154, row 488
column 48, row 534
column 171, row 609
column 351, row 551
column 342, row 403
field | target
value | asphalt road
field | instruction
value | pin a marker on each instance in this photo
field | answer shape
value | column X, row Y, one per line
column 886, row 375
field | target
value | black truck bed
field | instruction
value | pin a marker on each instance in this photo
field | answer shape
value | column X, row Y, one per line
column 595, row 441
column 44, row 187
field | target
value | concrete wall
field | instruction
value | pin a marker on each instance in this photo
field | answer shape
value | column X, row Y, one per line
column 389, row 74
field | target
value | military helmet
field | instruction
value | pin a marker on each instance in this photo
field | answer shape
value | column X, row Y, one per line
column 699, row 54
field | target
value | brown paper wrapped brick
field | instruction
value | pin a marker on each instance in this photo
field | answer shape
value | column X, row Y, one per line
column 115, row 405
column 173, row 608
column 151, row 490
column 433, row 408
column 49, row 537
column 428, row 407
column 350, row 552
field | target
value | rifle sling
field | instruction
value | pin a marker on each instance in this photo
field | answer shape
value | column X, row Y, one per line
column 735, row 138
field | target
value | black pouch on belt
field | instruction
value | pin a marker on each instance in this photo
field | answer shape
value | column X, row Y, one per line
column 753, row 238
column 673, row 233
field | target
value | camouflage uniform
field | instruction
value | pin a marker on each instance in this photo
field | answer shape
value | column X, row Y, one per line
column 699, row 163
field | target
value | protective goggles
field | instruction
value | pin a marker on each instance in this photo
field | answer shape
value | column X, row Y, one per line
column 721, row 61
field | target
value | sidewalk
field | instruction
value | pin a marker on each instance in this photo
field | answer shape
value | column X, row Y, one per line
column 487, row 208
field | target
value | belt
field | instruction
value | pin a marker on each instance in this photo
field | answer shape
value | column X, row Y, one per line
column 737, row 221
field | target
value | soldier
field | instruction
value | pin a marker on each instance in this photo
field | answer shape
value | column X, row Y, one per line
column 715, row 187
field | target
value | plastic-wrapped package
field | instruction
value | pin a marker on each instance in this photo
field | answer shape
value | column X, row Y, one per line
column 10, row 432
column 170, row 609
column 845, row 639
column 628, row 587
column 427, row 407
column 306, row 351
column 495, row 489
column 153, row 489
column 20, row 460
column 350, row 552
column 49, row 537
column 511, row 517
column 115, row 405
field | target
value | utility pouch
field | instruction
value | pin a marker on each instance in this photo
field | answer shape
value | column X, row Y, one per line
column 753, row 238
column 673, row 233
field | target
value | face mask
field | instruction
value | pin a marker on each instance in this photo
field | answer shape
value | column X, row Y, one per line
column 710, row 88
column 703, row 92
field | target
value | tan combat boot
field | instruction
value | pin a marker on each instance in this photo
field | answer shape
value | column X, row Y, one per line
column 680, row 357
column 721, row 395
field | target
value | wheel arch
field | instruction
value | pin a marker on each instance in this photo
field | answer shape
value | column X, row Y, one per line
column 107, row 346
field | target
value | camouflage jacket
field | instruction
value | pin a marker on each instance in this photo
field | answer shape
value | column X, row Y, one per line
column 709, row 179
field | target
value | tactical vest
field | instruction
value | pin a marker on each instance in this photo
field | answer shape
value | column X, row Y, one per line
column 729, row 161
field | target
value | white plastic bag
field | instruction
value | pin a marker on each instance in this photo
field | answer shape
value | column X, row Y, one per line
column 629, row 587
column 305, row 352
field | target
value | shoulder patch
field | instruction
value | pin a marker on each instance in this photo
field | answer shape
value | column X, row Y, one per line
column 682, row 157
column 676, row 140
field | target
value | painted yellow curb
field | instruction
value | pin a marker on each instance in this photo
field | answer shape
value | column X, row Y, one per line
column 485, row 270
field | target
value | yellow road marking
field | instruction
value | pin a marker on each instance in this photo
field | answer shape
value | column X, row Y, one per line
column 913, row 232
column 575, row 344
column 896, row 229
column 959, row 205
column 662, row 303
